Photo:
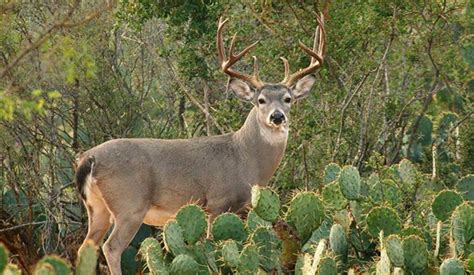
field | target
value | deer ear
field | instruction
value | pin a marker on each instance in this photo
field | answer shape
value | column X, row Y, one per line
column 241, row 89
column 303, row 86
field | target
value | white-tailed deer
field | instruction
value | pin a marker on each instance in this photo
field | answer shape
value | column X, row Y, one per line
column 127, row 182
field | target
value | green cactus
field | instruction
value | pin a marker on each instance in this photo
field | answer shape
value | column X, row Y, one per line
column 383, row 219
column 386, row 191
column 230, row 253
column 393, row 245
column 265, row 203
column 3, row 257
column 333, row 197
column 44, row 269
column 462, row 222
column 173, row 238
column 60, row 266
column 327, row 266
column 349, row 182
column 424, row 130
column 338, row 242
column 407, row 172
column 465, row 186
column 452, row 266
column 331, row 172
column 415, row 254
column 228, row 226
column 150, row 251
column 184, row 265
column 359, row 239
column 87, row 260
column 248, row 260
column 470, row 263
column 305, row 213
column 268, row 245
column 445, row 203
column 193, row 222
column 254, row 221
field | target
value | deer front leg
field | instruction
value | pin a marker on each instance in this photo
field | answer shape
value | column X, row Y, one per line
column 125, row 228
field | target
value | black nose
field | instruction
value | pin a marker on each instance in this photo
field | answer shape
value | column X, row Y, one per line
column 277, row 117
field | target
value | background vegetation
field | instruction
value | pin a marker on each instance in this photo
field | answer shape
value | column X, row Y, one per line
column 397, row 83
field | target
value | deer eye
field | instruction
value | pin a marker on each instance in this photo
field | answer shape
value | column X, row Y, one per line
column 288, row 99
column 261, row 101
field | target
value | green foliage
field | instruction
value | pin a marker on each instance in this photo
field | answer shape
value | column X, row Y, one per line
column 465, row 186
column 173, row 238
column 470, row 262
column 445, row 203
column 184, row 265
column 349, row 181
column 228, row 226
column 452, row 266
column 338, row 242
column 305, row 213
column 327, row 266
column 383, row 219
column 150, row 251
column 267, row 244
column 254, row 221
column 248, row 260
column 193, row 222
column 331, row 172
column 265, row 203
column 393, row 245
column 230, row 253
column 463, row 228
column 87, row 260
column 333, row 197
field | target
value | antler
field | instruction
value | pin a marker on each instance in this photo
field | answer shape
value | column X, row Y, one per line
column 226, row 64
column 316, row 56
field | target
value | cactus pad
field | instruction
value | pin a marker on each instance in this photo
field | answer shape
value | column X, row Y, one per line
column 305, row 213
column 60, row 266
column 86, row 263
column 3, row 257
column 393, row 245
column 254, row 221
column 228, row 226
column 383, row 218
column 150, row 251
column 470, row 263
column 445, row 203
column 193, row 221
column 331, row 172
column 407, row 172
column 248, row 260
column 173, row 238
column 465, row 186
column 267, row 244
column 463, row 226
column 338, row 242
column 386, row 191
column 349, row 182
column 230, row 253
column 333, row 197
column 183, row 265
column 452, row 266
column 327, row 266
column 265, row 203
column 415, row 255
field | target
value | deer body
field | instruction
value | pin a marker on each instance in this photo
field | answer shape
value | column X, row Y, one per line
column 127, row 182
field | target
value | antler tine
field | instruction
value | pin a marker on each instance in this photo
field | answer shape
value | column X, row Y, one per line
column 226, row 63
column 287, row 69
column 316, row 55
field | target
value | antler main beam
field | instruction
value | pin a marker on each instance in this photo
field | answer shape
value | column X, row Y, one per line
column 316, row 56
column 226, row 63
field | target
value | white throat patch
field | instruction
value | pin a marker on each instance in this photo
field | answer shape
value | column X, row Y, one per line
column 274, row 135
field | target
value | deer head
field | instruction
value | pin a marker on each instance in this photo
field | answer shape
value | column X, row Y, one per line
column 272, row 100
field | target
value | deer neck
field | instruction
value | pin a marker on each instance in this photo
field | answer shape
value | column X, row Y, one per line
column 262, row 146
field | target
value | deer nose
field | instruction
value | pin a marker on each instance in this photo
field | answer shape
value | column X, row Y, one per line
column 277, row 117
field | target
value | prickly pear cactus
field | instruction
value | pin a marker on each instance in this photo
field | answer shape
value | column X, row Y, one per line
column 393, row 245
column 43, row 269
column 407, row 172
column 193, row 222
column 331, row 172
column 445, row 203
column 470, row 263
column 305, row 213
column 267, row 244
column 87, row 259
column 230, row 253
column 150, row 251
column 383, row 219
column 465, row 186
column 265, row 203
column 462, row 226
column 327, row 266
column 173, row 238
column 333, row 197
column 254, row 221
column 349, row 181
column 452, row 266
column 228, row 226
column 338, row 242
column 386, row 191
column 184, row 265
column 60, row 266
column 415, row 255
column 248, row 260
column 3, row 257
